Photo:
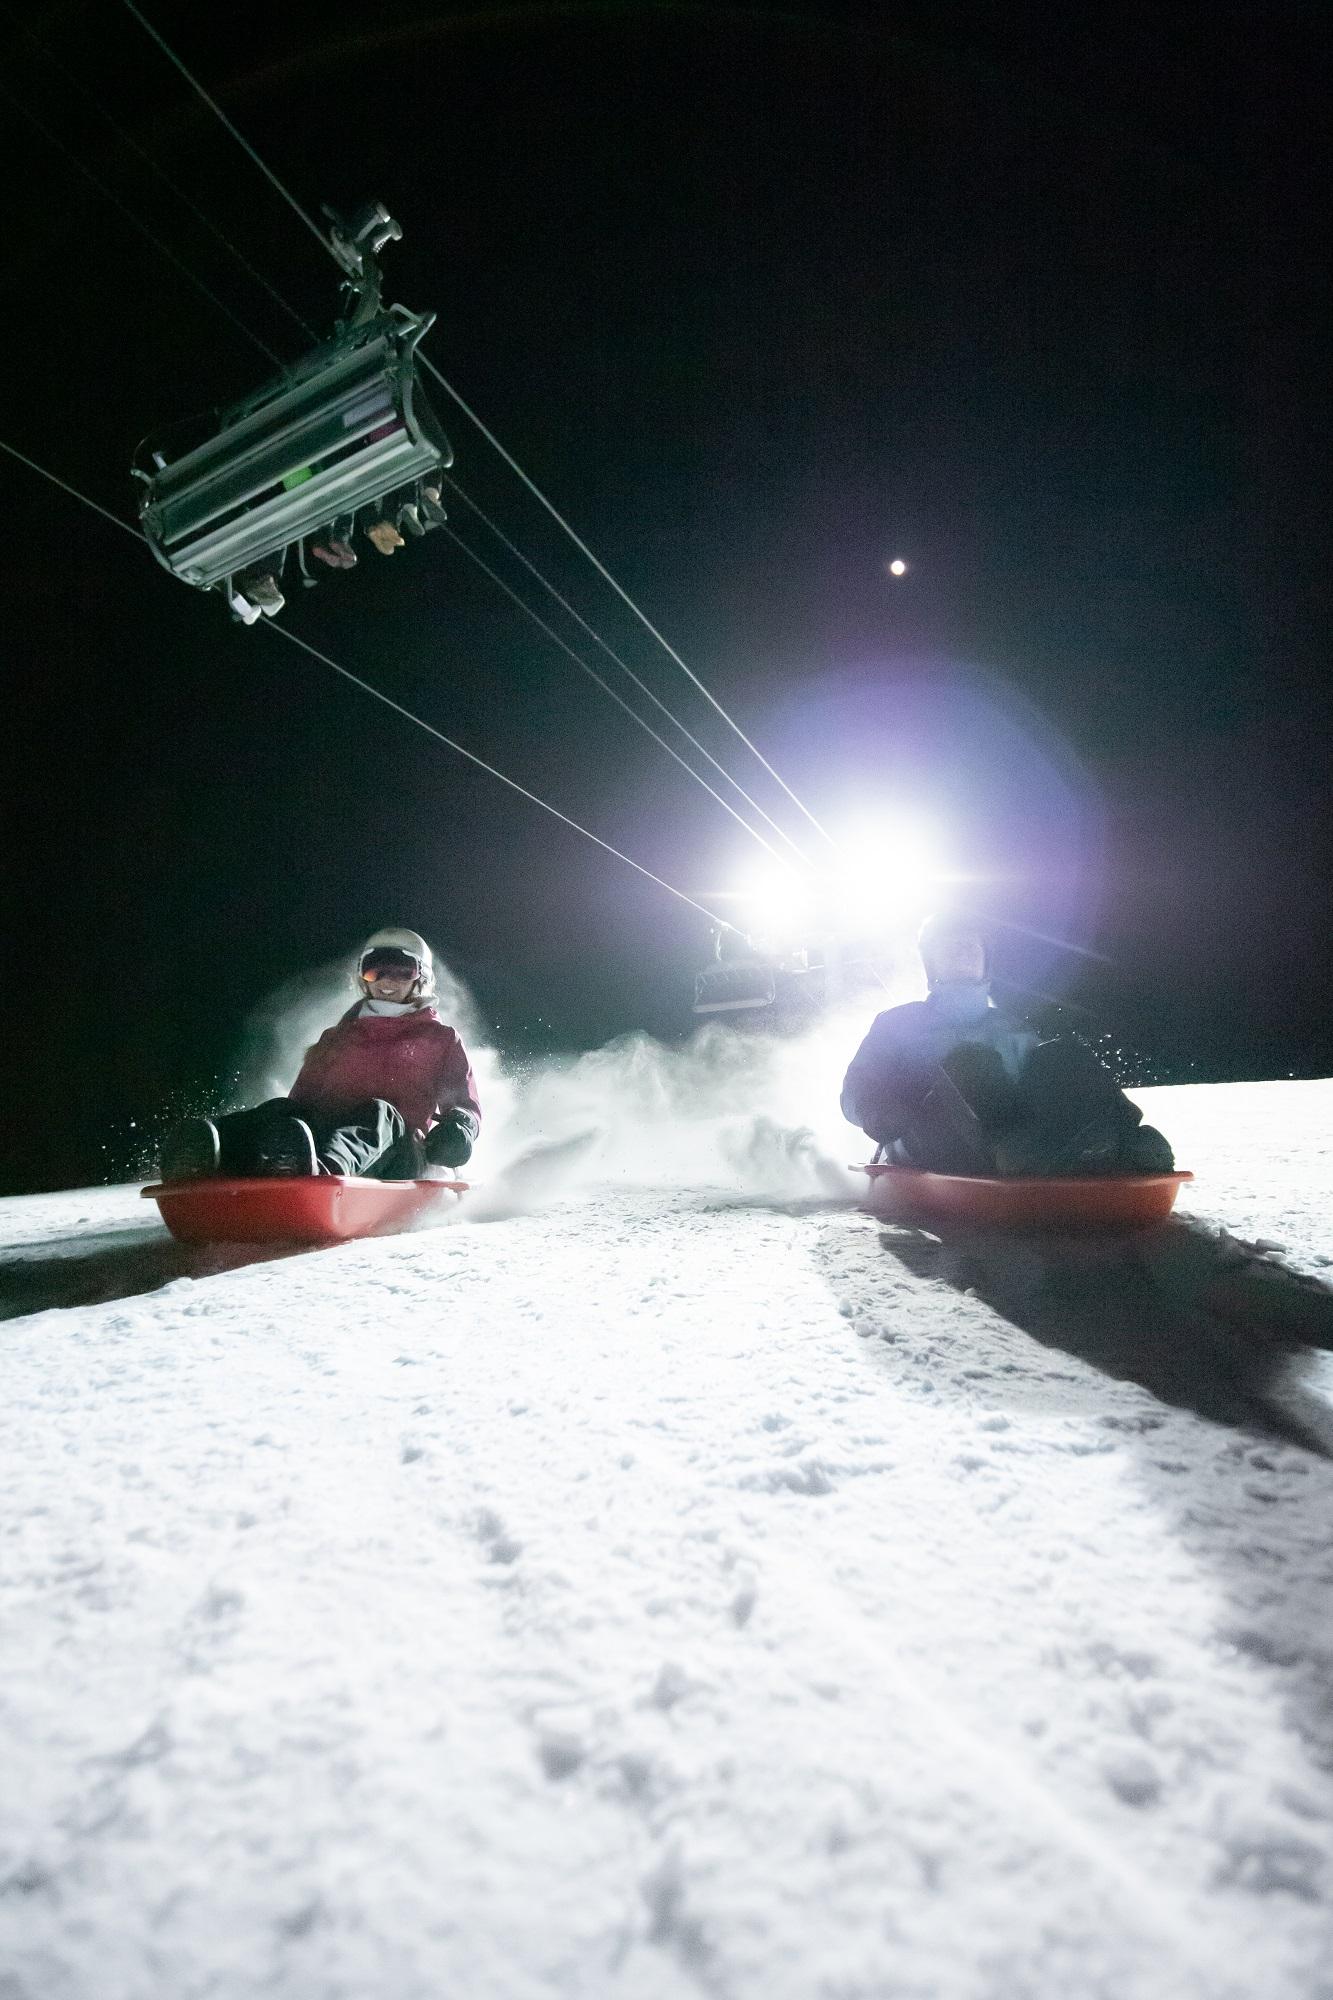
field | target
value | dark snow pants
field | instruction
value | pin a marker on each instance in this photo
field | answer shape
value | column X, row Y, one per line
column 369, row 1139
column 1065, row 1115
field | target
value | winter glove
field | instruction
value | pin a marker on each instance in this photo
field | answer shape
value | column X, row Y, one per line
column 449, row 1144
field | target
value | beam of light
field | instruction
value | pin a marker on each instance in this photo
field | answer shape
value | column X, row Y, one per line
column 889, row 876
column 776, row 909
column 889, row 881
column 1045, row 937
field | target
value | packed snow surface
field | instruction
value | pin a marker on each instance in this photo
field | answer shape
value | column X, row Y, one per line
column 662, row 1590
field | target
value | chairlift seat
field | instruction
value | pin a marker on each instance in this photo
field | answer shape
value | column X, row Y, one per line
column 339, row 431
column 731, row 988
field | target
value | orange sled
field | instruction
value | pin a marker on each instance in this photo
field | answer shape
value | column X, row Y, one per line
column 327, row 1209
column 1109, row 1201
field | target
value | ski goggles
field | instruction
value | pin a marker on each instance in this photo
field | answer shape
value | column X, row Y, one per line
column 389, row 964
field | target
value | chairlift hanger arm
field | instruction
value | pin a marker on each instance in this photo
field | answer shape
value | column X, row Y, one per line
column 356, row 242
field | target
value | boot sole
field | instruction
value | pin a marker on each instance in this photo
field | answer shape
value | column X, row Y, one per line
column 192, row 1153
column 287, row 1152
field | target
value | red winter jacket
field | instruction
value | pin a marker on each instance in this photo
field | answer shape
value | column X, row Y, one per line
column 413, row 1060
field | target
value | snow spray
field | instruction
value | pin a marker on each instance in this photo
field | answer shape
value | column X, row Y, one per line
column 745, row 1112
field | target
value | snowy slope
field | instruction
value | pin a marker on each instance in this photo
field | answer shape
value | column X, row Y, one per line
column 674, row 1590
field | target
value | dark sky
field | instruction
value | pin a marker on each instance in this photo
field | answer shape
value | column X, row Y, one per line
column 760, row 297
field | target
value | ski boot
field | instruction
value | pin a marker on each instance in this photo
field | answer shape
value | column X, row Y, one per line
column 242, row 609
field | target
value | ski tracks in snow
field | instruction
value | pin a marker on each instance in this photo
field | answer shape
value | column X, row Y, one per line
column 1145, row 1563
column 659, row 1595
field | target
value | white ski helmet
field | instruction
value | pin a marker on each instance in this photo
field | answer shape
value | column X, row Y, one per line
column 413, row 946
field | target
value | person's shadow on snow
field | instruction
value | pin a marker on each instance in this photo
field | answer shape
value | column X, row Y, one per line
column 119, row 1264
column 1199, row 1319
column 1209, row 1325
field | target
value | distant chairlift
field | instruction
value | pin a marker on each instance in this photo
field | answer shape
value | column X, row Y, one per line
column 756, row 981
column 733, row 989
column 343, row 429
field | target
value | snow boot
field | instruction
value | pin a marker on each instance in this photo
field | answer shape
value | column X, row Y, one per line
column 190, row 1151
column 1105, row 1145
column 1039, row 1150
column 263, row 591
column 285, row 1148
column 335, row 552
column 241, row 608
column 1146, row 1151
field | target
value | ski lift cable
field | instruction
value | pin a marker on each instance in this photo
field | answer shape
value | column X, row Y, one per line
column 608, row 690
column 486, row 432
column 597, row 678
column 135, row 222
column 127, row 139
column 642, row 686
column 465, row 497
column 1045, row 937
column 367, row 687
column 65, row 487
column 236, row 134
column 284, row 632
column 603, row 571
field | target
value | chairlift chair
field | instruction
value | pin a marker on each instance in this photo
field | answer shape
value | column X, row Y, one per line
column 780, row 984
column 340, row 430
column 739, row 987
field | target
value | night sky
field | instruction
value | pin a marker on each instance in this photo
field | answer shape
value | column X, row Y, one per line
column 762, row 297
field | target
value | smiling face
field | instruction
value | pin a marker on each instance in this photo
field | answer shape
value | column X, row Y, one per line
column 389, row 975
column 389, row 985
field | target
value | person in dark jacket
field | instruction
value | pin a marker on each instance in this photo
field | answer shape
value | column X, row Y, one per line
column 955, row 1084
column 387, row 1092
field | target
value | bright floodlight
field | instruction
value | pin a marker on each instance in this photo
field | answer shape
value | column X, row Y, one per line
column 774, row 908
column 887, row 879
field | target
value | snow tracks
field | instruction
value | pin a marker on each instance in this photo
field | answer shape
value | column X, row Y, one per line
column 663, row 1595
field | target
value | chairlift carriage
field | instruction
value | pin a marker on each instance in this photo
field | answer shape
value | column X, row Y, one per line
column 342, row 429
column 754, row 983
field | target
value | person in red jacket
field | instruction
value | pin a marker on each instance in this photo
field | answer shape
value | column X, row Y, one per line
column 387, row 1092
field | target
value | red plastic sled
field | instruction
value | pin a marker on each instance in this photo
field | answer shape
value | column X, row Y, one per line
column 1110, row 1201
column 327, row 1209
